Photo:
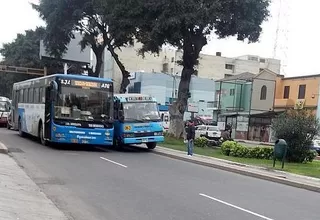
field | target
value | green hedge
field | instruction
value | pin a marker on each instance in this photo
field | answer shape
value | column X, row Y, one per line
column 201, row 142
column 232, row 148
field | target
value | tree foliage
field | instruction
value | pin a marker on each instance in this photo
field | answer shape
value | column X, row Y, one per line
column 186, row 24
column 94, row 19
column 298, row 128
column 24, row 49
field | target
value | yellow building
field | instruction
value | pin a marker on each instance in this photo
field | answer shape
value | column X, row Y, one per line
column 297, row 92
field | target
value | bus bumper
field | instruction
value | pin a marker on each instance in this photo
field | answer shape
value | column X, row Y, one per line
column 143, row 140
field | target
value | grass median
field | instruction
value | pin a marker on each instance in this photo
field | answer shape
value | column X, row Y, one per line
column 307, row 169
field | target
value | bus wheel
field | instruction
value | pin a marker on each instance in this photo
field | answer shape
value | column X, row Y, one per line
column 151, row 145
column 41, row 137
column 21, row 133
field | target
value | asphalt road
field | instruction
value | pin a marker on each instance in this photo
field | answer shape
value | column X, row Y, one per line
column 88, row 183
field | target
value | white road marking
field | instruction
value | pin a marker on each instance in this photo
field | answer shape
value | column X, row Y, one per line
column 119, row 164
column 236, row 207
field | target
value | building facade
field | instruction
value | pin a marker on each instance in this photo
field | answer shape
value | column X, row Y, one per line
column 245, row 101
column 164, row 87
column 210, row 66
column 298, row 92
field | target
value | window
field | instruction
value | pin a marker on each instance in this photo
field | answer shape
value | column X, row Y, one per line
column 171, row 70
column 20, row 96
column 302, row 91
column 172, row 59
column 262, row 60
column 25, row 96
column 36, row 95
column 232, row 92
column 227, row 75
column 286, row 92
column 30, row 96
column 229, row 66
column 41, row 94
column 263, row 93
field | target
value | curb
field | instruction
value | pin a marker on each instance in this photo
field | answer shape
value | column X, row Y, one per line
column 3, row 149
column 244, row 172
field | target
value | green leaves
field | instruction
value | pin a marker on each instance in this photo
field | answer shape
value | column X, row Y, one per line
column 298, row 128
column 24, row 50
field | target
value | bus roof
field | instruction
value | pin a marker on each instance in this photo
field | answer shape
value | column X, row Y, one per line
column 126, row 97
column 70, row 76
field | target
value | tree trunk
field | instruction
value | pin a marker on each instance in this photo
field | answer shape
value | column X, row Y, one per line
column 99, row 63
column 192, row 45
column 125, row 74
column 178, row 108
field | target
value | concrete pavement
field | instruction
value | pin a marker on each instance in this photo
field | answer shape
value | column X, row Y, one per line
column 309, row 183
column 20, row 197
column 89, row 183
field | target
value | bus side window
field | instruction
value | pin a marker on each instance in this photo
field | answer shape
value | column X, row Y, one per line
column 20, row 96
column 36, row 95
column 30, row 98
column 25, row 95
column 41, row 95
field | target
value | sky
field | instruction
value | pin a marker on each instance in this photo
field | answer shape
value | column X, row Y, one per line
column 291, row 33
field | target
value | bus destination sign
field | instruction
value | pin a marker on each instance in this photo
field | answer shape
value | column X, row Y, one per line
column 86, row 84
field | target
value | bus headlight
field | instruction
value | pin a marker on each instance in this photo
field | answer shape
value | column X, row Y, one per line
column 160, row 133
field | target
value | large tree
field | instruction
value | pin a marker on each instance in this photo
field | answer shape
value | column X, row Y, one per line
column 186, row 24
column 24, row 49
column 94, row 19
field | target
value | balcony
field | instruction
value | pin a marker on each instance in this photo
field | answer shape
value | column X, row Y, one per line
column 295, row 103
column 284, row 103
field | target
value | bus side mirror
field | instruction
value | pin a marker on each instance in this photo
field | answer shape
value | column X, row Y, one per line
column 53, row 90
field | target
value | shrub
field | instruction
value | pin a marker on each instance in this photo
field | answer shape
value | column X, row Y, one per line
column 231, row 148
column 311, row 155
column 201, row 142
column 226, row 147
column 298, row 128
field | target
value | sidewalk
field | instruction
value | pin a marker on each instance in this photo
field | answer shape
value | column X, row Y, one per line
column 20, row 197
column 309, row 183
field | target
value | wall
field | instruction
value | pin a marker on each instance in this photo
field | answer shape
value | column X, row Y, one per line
column 268, row 80
column 211, row 67
column 240, row 101
column 311, row 95
column 161, row 86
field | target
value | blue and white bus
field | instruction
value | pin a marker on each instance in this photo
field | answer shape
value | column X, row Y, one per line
column 137, row 120
column 64, row 108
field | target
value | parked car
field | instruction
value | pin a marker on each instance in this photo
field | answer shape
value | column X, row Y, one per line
column 208, row 131
column 315, row 145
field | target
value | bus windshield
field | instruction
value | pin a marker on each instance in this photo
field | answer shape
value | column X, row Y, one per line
column 83, row 104
column 4, row 107
column 141, row 111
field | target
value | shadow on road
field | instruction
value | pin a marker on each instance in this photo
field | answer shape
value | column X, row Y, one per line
column 83, row 147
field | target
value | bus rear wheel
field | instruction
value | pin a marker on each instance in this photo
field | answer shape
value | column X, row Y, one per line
column 41, row 135
column 151, row 145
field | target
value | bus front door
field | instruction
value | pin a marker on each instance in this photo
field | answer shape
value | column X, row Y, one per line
column 47, row 112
